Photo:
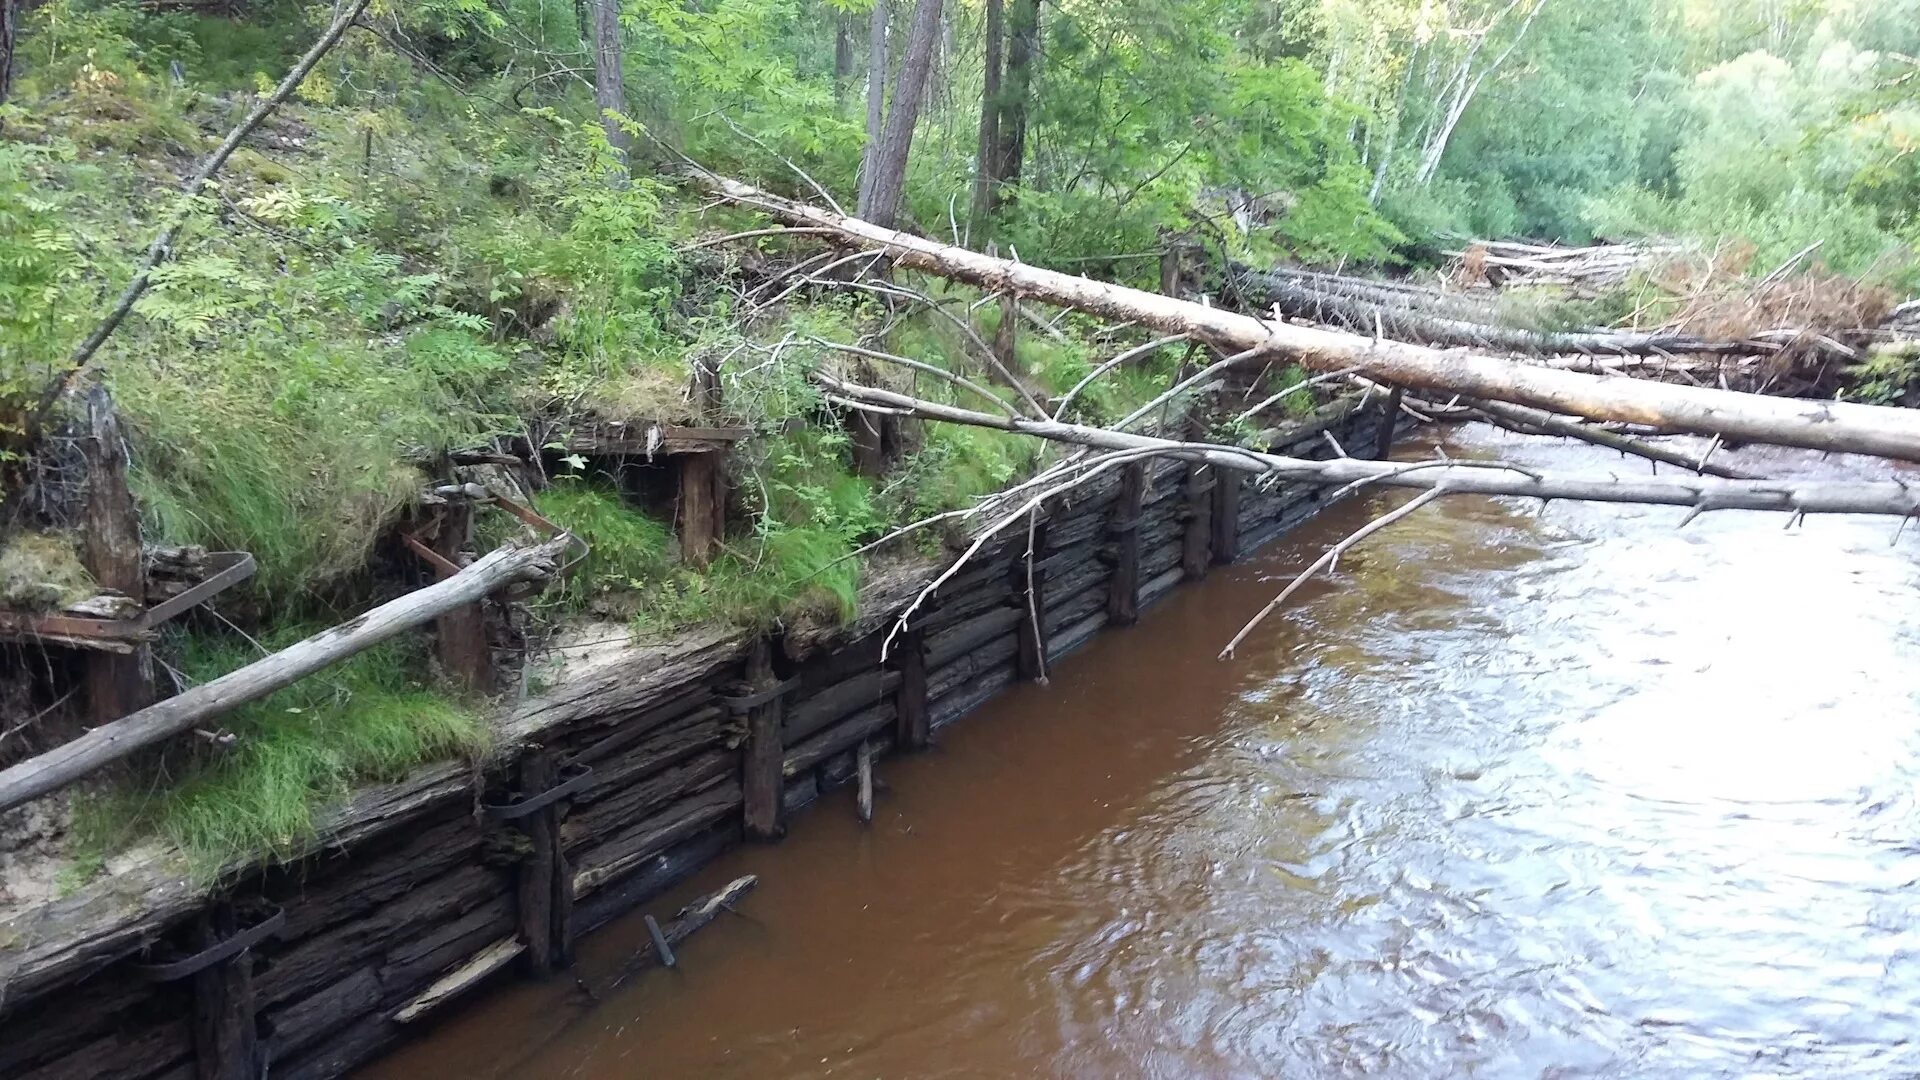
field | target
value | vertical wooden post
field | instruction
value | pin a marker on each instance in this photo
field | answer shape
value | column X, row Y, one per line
column 117, row 684
column 1006, row 336
column 1226, row 516
column 536, row 886
column 1123, row 588
column 226, row 1044
column 1030, row 592
column 867, row 442
column 909, row 657
column 703, row 505
column 460, row 636
column 1383, row 446
column 863, row 765
column 1196, row 548
column 761, row 759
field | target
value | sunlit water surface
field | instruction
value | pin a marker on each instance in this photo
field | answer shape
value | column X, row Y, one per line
column 1516, row 792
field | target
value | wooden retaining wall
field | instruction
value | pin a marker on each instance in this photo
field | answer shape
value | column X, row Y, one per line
column 423, row 894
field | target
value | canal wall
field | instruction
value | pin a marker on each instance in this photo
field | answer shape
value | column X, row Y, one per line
column 637, row 766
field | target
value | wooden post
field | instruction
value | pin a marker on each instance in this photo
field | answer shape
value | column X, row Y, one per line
column 1196, row 552
column 867, row 442
column 1226, row 516
column 460, row 636
column 1383, row 446
column 761, row 760
column 1123, row 588
column 226, row 1044
column 1030, row 592
column 863, row 765
column 703, row 505
column 117, row 684
column 909, row 658
column 536, row 882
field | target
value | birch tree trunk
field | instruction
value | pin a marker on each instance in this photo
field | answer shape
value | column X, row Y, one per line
column 881, row 198
column 876, row 99
column 1437, row 145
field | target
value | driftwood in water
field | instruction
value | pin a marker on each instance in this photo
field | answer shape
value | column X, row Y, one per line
column 108, row 743
column 1817, row 425
column 683, row 925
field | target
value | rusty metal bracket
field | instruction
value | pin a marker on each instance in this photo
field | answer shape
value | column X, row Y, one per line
column 444, row 567
column 240, row 942
column 741, row 703
column 234, row 567
column 519, row 808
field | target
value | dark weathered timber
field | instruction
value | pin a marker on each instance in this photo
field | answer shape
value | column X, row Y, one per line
column 1225, row 514
column 534, row 884
column 460, row 636
column 304, row 1022
column 628, row 850
column 909, row 658
column 1196, row 547
column 225, row 1035
column 947, row 645
column 117, row 683
column 1160, row 585
column 837, row 738
column 1073, row 635
column 682, row 926
column 324, row 958
column 1383, row 441
column 1123, row 588
column 650, row 795
column 703, row 506
column 863, row 758
column 816, row 712
column 660, row 873
column 760, row 783
column 702, row 730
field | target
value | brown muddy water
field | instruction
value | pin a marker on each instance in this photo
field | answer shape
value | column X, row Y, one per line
column 1518, row 793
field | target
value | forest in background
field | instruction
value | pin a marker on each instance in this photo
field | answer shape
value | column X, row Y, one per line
column 467, row 227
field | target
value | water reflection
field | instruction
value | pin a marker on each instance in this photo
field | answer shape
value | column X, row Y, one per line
column 1518, row 793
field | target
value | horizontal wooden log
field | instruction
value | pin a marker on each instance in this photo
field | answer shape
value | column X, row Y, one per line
column 660, row 873
column 985, row 657
column 945, row 646
column 1074, row 635
column 1161, row 584
column 967, row 698
column 699, row 732
column 461, row 979
column 111, row 742
column 837, row 738
column 835, row 702
column 300, row 1024
column 628, row 851
column 646, row 797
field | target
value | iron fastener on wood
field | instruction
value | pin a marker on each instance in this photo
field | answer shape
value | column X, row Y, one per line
column 740, row 704
column 240, row 942
column 576, row 777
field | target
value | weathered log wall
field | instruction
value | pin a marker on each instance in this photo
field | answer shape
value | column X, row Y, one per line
column 427, row 894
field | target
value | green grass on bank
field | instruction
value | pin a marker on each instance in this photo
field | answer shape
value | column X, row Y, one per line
column 282, row 760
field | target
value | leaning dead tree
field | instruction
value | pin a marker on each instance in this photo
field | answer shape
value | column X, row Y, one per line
column 1817, row 425
column 75, row 760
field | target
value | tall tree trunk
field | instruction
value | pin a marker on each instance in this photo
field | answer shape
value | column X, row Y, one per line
column 1437, row 146
column 983, row 166
column 842, row 59
column 609, row 77
column 882, row 203
column 1023, row 45
column 876, row 97
column 6, row 49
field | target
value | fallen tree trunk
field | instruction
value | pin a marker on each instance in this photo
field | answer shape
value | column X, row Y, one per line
column 1407, row 321
column 108, row 743
column 1537, row 422
column 1817, row 425
column 1700, row 493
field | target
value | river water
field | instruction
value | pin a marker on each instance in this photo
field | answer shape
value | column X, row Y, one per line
column 1517, row 792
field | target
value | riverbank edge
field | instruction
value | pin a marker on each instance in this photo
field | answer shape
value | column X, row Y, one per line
column 419, row 894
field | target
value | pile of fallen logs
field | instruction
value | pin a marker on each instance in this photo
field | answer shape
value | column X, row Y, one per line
column 1503, row 263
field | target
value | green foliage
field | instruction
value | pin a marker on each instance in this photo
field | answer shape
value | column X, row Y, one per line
column 291, row 754
column 1890, row 375
column 629, row 550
